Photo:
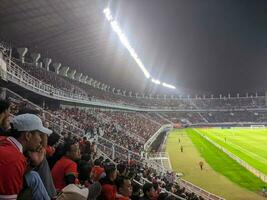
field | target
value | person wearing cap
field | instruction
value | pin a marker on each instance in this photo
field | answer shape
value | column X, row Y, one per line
column 39, row 161
column 24, row 136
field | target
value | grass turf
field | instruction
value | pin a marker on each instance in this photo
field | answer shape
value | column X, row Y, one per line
column 223, row 164
column 209, row 179
column 247, row 144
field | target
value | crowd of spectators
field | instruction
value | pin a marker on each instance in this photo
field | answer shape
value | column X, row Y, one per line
column 65, row 166
column 148, row 101
column 183, row 117
column 133, row 122
column 230, row 103
column 156, row 117
column 236, row 116
column 52, row 79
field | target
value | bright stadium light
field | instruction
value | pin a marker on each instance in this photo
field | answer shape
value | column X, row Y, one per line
column 116, row 28
column 168, row 86
column 107, row 13
column 155, row 81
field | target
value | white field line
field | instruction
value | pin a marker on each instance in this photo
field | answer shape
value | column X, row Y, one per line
column 249, row 153
column 253, row 170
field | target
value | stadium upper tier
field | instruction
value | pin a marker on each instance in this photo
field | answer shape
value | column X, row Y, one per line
column 68, row 83
column 82, row 89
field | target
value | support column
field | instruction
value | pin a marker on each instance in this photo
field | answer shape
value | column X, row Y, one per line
column 71, row 73
column 98, row 85
column 78, row 76
column 22, row 52
column 94, row 83
column 84, row 78
column 105, row 87
column 89, row 81
column 47, row 62
column 57, row 67
column 35, row 57
column 40, row 64
column 63, row 71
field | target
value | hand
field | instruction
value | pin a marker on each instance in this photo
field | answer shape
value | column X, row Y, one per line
column 37, row 157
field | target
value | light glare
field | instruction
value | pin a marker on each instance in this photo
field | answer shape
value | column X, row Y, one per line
column 128, row 46
column 168, row 86
column 155, row 81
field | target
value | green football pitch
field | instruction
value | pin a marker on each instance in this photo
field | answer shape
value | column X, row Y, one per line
column 221, row 175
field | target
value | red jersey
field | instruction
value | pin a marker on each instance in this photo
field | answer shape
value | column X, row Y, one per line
column 62, row 168
column 122, row 198
column 12, row 168
column 96, row 172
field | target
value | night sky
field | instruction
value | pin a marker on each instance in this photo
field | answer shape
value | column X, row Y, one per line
column 203, row 46
column 200, row 46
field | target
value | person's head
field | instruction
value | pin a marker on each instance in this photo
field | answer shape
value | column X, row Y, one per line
column 136, row 190
column 53, row 139
column 124, row 186
column 148, row 190
column 84, row 169
column 97, row 162
column 121, row 168
column 27, row 129
column 4, row 111
column 163, row 196
column 111, row 172
column 86, row 157
column 72, row 150
column 84, row 138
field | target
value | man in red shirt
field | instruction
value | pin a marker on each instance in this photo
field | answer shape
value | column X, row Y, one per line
column 25, row 136
column 96, row 171
column 124, row 188
column 109, row 189
column 65, row 171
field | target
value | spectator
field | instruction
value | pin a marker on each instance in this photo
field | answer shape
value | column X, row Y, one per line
column 148, row 191
column 65, row 171
column 51, row 143
column 4, row 115
column 24, row 136
column 121, row 169
column 97, row 171
column 136, row 191
column 124, row 188
column 108, row 183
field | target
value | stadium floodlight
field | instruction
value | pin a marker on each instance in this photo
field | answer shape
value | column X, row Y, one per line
column 155, row 81
column 168, row 86
column 116, row 28
column 107, row 13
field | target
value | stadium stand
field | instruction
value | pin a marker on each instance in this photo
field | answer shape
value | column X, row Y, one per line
column 109, row 135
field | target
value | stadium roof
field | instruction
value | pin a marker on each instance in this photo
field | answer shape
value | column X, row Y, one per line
column 215, row 46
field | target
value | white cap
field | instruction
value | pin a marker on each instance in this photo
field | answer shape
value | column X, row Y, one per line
column 29, row 122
